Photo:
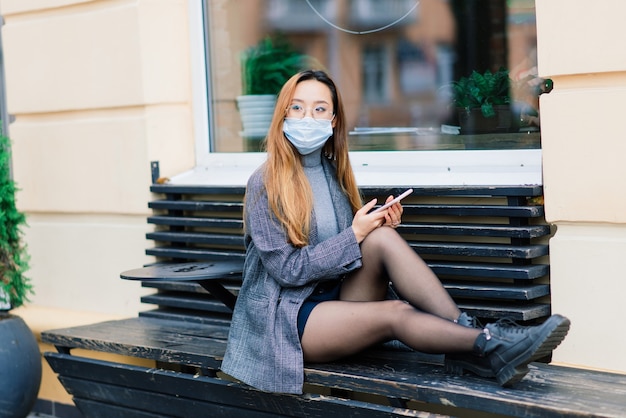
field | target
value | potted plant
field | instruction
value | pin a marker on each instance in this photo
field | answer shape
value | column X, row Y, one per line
column 20, row 360
column 265, row 67
column 482, row 101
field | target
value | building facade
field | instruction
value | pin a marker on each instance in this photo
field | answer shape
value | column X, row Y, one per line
column 97, row 90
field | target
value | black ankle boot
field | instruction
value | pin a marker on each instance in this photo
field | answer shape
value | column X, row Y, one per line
column 504, row 349
column 457, row 363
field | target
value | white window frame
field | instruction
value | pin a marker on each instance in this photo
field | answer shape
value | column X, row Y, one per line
column 372, row 168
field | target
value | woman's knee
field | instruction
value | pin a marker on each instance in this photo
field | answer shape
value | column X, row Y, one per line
column 381, row 237
column 397, row 309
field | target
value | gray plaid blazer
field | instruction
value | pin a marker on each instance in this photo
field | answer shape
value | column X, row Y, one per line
column 264, row 349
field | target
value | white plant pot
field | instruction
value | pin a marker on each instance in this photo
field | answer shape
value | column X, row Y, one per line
column 256, row 114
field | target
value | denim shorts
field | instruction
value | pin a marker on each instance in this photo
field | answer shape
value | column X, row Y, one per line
column 328, row 290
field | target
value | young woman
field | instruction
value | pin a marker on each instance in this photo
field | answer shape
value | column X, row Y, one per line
column 319, row 263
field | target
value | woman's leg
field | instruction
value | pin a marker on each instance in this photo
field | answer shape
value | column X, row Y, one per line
column 336, row 329
column 363, row 318
column 387, row 257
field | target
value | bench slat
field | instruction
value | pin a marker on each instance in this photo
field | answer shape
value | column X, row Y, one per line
column 196, row 205
column 474, row 210
column 517, row 312
column 167, row 393
column 480, row 249
column 197, row 238
column 483, row 309
column 102, row 410
column 188, row 301
column 199, row 221
column 185, row 315
column 486, row 290
column 475, row 230
column 465, row 190
column 489, row 270
column 409, row 209
column 193, row 254
column 482, row 230
column 443, row 268
column 422, row 248
column 184, row 286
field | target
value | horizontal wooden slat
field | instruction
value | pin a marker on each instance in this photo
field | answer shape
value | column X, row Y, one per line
column 197, row 189
column 517, row 312
column 409, row 209
column 475, row 230
column 184, row 253
column 95, row 409
column 197, row 221
column 489, row 270
column 484, row 230
column 474, row 210
column 196, row 205
column 185, row 315
column 466, row 190
column 422, row 248
column 197, row 238
column 480, row 249
column 193, row 287
column 479, row 191
column 187, row 301
column 485, row 290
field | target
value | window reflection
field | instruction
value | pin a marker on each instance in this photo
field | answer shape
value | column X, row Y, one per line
column 396, row 79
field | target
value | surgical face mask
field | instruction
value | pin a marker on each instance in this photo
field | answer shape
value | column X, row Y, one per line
column 307, row 134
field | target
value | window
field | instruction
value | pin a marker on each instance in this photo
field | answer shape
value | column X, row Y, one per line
column 394, row 61
column 375, row 75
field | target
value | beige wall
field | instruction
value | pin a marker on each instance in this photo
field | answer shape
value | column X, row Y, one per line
column 98, row 89
column 584, row 173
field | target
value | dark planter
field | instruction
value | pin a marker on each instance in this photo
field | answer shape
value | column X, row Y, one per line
column 472, row 121
column 20, row 367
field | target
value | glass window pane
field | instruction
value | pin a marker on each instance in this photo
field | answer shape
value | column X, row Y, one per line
column 412, row 73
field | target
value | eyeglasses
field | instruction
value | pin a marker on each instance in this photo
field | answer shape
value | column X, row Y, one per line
column 318, row 112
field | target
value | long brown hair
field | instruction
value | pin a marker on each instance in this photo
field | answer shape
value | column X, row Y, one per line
column 289, row 193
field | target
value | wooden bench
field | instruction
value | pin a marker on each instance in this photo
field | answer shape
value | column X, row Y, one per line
column 488, row 244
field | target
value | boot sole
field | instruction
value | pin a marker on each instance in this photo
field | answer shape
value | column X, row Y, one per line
column 518, row 368
column 515, row 371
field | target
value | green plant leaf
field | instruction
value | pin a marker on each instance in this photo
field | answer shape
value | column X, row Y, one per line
column 13, row 255
column 483, row 91
column 267, row 65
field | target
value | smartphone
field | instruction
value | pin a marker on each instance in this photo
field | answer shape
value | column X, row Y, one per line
column 394, row 201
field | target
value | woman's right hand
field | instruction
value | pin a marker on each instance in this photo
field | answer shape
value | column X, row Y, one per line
column 364, row 222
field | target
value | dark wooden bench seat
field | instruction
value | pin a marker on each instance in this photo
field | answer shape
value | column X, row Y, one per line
column 403, row 382
column 487, row 244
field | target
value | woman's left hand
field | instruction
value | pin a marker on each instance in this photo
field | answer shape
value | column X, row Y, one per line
column 394, row 214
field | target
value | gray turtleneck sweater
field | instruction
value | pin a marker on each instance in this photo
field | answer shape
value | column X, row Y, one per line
column 322, row 203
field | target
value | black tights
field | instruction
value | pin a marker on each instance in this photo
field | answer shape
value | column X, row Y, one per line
column 362, row 317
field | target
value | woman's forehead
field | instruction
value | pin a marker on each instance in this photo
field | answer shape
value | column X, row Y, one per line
column 312, row 91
